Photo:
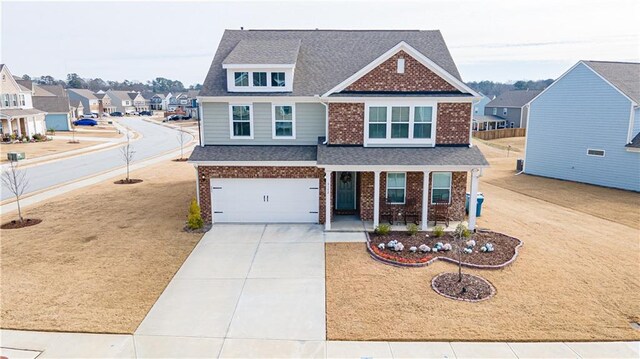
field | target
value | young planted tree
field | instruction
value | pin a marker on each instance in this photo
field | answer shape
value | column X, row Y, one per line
column 460, row 238
column 182, row 139
column 16, row 182
column 127, row 155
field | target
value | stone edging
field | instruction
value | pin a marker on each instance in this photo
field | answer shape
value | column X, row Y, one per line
column 493, row 289
column 377, row 257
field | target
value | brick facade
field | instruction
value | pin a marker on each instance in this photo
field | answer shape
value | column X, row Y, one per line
column 453, row 123
column 414, row 191
column 346, row 123
column 416, row 77
column 254, row 172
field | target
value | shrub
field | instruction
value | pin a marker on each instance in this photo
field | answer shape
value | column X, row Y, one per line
column 51, row 131
column 438, row 231
column 412, row 229
column 194, row 219
column 38, row 137
column 383, row 229
column 462, row 232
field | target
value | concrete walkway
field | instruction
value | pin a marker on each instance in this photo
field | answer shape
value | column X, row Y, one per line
column 259, row 291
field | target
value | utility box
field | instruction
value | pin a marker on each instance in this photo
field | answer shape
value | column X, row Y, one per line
column 15, row 156
column 519, row 165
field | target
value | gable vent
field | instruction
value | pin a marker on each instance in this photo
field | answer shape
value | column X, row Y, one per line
column 400, row 65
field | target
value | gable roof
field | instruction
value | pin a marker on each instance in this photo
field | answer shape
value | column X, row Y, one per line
column 513, row 98
column 326, row 58
column 132, row 95
column 51, row 104
column 623, row 75
column 84, row 93
column 262, row 52
column 49, row 90
column 122, row 95
column 193, row 93
column 25, row 85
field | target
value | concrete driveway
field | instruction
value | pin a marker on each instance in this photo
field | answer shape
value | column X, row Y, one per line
column 247, row 289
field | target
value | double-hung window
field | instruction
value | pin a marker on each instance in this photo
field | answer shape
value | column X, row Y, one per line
column 400, row 122
column 441, row 187
column 396, row 187
column 377, row 122
column 259, row 79
column 277, row 79
column 14, row 100
column 283, row 121
column 422, row 122
column 22, row 102
column 6, row 99
column 241, row 121
column 241, row 78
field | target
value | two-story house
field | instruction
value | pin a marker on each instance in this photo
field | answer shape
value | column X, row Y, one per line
column 166, row 100
column 511, row 106
column 90, row 103
column 308, row 125
column 585, row 127
column 192, row 108
column 139, row 102
column 17, row 115
column 105, row 102
column 157, row 102
column 121, row 101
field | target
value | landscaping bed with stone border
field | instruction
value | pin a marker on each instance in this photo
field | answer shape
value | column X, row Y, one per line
column 505, row 249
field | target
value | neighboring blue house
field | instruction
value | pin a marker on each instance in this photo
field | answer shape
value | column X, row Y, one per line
column 53, row 100
column 478, row 107
column 585, row 127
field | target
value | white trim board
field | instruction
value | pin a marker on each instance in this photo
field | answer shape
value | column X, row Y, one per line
column 403, row 46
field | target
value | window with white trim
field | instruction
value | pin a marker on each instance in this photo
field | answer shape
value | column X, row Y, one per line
column 441, row 187
column 14, row 100
column 396, row 187
column 595, row 153
column 22, row 101
column 422, row 122
column 241, row 121
column 283, row 121
column 241, row 79
column 377, row 122
column 495, row 111
column 260, row 79
column 277, row 79
column 400, row 124
column 6, row 99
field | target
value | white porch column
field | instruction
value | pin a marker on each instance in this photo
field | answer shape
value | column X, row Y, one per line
column 327, row 200
column 376, row 199
column 425, row 201
column 9, row 126
column 473, row 200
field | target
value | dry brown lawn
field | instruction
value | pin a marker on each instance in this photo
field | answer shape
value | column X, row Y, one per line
column 102, row 255
column 577, row 278
column 39, row 149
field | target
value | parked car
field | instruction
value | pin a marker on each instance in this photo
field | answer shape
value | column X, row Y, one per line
column 85, row 122
column 90, row 115
column 185, row 117
column 119, row 114
column 104, row 114
column 146, row 113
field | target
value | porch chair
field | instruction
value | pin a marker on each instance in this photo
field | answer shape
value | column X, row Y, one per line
column 441, row 212
column 411, row 211
column 386, row 211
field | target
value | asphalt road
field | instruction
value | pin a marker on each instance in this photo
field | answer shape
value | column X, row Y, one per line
column 156, row 140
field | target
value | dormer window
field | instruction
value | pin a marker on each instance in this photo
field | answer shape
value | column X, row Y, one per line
column 241, row 78
column 277, row 79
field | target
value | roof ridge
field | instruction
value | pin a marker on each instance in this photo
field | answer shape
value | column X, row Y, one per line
column 613, row 62
column 341, row 30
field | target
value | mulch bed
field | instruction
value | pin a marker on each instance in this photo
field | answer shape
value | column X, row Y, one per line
column 130, row 181
column 28, row 222
column 506, row 249
column 471, row 289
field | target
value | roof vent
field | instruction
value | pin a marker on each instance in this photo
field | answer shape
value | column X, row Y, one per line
column 401, row 65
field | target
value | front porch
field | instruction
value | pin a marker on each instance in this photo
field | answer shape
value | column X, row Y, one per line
column 362, row 200
column 21, row 123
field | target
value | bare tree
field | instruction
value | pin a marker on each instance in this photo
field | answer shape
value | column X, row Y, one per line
column 127, row 155
column 182, row 138
column 17, row 182
column 460, row 237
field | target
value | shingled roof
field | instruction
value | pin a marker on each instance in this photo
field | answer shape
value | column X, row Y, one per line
column 513, row 98
column 325, row 58
column 623, row 75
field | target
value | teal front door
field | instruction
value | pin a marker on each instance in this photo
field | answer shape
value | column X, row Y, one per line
column 346, row 191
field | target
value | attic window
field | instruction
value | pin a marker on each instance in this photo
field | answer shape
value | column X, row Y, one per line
column 400, row 65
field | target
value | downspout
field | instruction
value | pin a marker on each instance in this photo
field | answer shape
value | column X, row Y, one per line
column 200, row 134
column 326, row 119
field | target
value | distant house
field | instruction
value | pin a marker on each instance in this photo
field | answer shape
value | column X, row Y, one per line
column 53, row 100
column 17, row 115
column 512, row 107
column 192, row 107
column 77, row 109
column 90, row 103
column 107, row 106
column 482, row 122
column 157, row 102
column 122, row 101
column 147, row 95
column 139, row 102
column 478, row 107
column 585, row 127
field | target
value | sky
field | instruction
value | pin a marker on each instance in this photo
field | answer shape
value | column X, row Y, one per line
column 498, row 40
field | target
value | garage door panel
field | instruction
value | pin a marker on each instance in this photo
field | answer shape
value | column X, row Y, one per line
column 265, row 200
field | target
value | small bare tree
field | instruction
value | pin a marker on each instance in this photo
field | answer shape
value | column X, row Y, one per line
column 460, row 237
column 127, row 155
column 17, row 182
column 182, row 139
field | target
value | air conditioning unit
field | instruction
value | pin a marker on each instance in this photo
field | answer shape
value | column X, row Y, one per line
column 15, row 156
column 519, row 165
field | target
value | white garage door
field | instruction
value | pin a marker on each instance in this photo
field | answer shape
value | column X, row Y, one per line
column 265, row 200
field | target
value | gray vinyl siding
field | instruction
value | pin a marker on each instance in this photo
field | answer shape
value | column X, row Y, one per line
column 513, row 114
column 580, row 112
column 310, row 124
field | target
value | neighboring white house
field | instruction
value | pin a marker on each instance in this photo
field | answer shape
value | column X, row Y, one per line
column 585, row 127
column 17, row 114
